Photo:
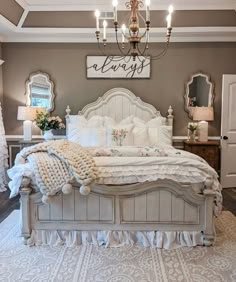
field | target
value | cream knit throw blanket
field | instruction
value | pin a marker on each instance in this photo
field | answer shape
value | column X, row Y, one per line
column 57, row 164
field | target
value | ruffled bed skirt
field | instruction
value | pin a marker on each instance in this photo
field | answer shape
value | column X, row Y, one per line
column 158, row 239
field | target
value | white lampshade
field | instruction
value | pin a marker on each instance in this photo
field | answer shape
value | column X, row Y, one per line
column 203, row 113
column 28, row 113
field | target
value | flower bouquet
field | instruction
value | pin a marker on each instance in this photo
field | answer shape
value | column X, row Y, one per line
column 192, row 128
column 47, row 123
column 118, row 135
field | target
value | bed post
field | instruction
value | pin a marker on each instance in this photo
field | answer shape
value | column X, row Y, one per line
column 170, row 116
column 25, row 208
column 68, row 110
column 209, row 232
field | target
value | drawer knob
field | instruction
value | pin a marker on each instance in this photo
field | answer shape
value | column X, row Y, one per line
column 225, row 137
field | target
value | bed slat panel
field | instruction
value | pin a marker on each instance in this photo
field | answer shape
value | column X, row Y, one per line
column 140, row 208
column 80, row 206
column 106, row 209
column 68, row 206
column 43, row 212
column 56, row 208
column 165, row 206
column 177, row 209
column 128, row 209
column 153, row 199
column 93, row 207
column 191, row 213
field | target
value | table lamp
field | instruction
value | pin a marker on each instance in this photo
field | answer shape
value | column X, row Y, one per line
column 28, row 114
column 202, row 115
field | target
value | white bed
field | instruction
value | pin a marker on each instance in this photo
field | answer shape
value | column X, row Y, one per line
column 164, row 213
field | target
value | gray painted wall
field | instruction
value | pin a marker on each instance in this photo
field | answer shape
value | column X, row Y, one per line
column 65, row 63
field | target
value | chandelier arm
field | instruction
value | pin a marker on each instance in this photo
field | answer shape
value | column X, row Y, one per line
column 99, row 46
column 161, row 54
column 120, row 49
column 142, row 53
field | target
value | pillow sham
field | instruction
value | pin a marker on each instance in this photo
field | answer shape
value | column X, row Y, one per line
column 140, row 136
column 160, row 136
column 89, row 136
column 128, row 141
column 94, row 121
column 109, row 121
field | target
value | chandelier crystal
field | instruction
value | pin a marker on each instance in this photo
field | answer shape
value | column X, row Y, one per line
column 136, row 32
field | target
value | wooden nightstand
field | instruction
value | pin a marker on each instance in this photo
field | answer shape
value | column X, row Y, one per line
column 209, row 151
column 24, row 143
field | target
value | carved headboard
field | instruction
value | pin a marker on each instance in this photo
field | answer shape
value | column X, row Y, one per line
column 120, row 103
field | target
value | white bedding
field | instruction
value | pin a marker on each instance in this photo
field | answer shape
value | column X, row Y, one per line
column 127, row 165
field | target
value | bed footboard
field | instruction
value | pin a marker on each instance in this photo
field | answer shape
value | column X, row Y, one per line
column 163, row 205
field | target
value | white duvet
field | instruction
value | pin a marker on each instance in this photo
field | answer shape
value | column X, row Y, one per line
column 127, row 165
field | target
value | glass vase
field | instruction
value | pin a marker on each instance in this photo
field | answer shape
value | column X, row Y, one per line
column 192, row 136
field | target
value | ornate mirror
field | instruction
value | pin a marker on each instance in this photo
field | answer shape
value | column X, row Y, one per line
column 40, row 91
column 198, row 92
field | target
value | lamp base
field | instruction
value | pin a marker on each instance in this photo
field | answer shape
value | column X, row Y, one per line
column 203, row 131
column 27, row 125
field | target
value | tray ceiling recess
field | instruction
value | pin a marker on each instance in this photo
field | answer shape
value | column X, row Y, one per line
column 74, row 21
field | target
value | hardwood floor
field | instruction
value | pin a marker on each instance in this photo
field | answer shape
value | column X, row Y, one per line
column 8, row 205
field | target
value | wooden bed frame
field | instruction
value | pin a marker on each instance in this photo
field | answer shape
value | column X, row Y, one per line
column 163, row 205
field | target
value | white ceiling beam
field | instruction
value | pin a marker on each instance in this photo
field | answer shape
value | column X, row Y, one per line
column 105, row 5
column 22, row 19
column 86, row 35
column 23, row 4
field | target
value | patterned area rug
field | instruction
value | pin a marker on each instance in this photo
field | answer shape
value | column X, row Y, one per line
column 130, row 264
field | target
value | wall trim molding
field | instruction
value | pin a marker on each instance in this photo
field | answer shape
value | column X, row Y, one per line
column 175, row 138
column 161, row 5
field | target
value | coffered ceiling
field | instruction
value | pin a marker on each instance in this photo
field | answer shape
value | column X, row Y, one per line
column 73, row 20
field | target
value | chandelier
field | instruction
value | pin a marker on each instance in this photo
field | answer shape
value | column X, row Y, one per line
column 136, row 32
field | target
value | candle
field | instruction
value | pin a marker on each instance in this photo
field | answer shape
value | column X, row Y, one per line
column 123, row 28
column 115, row 4
column 168, row 19
column 171, row 9
column 147, row 10
column 97, row 15
column 104, row 29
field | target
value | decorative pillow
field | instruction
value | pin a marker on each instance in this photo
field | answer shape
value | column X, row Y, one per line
column 140, row 136
column 128, row 141
column 89, row 136
column 154, row 122
column 109, row 122
column 94, row 121
column 86, row 132
column 160, row 136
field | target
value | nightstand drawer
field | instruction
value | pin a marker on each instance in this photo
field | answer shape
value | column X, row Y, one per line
column 209, row 151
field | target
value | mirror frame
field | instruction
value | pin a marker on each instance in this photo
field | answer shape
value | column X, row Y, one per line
column 28, row 93
column 186, row 95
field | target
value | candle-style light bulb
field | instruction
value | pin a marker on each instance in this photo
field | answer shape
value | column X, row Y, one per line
column 147, row 3
column 170, row 9
column 104, row 29
column 97, row 15
column 115, row 4
column 168, row 19
column 123, row 28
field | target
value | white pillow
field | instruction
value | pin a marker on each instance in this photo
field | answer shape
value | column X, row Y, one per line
column 86, row 132
column 160, row 136
column 77, row 120
column 154, row 122
column 89, row 136
column 109, row 122
column 140, row 136
column 128, row 141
